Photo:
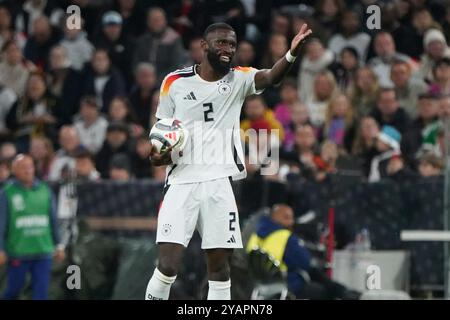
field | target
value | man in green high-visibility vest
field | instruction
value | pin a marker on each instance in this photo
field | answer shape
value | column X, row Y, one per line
column 28, row 231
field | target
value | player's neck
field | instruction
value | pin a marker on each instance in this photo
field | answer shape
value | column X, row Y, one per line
column 207, row 72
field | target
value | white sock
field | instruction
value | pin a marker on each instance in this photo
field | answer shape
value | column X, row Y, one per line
column 219, row 290
column 158, row 287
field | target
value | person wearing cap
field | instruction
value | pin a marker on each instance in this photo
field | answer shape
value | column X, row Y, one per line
column 119, row 45
column 436, row 48
column 388, row 146
column 117, row 141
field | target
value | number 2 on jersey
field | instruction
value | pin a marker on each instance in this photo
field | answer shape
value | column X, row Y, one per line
column 207, row 109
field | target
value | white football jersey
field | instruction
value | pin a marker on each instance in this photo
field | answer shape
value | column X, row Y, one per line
column 210, row 111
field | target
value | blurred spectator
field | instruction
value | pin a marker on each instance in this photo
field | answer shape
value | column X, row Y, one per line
column 364, row 92
column 228, row 11
column 389, row 111
column 120, row 168
column 430, row 165
column 38, row 46
column 436, row 48
column 141, row 94
column 444, row 107
column 161, row 45
column 345, row 69
column 316, row 59
column 441, row 73
column 142, row 167
column 120, row 111
column 32, row 10
column 406, row 87
column 79, row 49
column 397, row 170
column 8, row 150
column 187, row 18
column 26, row 242
column 41, row 150
column 276, row 48
column 103, row 80
column 91, row 125
column 64, row 84
column 6, row 28
column 133, row 15
column 329, row 14
column 323, row 91
column 326, row 162
column 7, row 99
column 63, row 165
column 195, row 51
column 386, row 54
column 409, row 36
column 302, row 156
column 339, row 126
column 90, row 14
column 364, row 143
column 5, row 171
column 388, row 146
column 350, row 36
column 36, row 113
column 116, row 142
column 446, row 24
column 118, row 44
column 427, row 110
column 85, row 166
column 281, row 23
column 258, row 116
column 289, row 98
column 153, row 107
column 13, row 69
column 245, row 54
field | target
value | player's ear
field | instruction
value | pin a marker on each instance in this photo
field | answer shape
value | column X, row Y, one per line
column 204, row 44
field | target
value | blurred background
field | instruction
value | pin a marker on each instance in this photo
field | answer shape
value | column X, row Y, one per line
column 362, row 119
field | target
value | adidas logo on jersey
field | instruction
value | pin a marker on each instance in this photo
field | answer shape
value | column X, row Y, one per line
column 231, row 240
column 190, row 96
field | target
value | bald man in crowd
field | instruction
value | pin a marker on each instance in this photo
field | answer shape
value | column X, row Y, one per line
column 274, row 235
column 28, row 231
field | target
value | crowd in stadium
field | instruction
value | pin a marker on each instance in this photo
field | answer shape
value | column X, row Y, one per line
column 83, row 100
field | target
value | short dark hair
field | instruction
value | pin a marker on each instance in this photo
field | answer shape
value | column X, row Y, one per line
column 217, row 26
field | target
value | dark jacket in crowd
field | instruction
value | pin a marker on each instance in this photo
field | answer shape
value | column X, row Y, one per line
column 39, row 53
column 120, row 52
column 115, row 86
column 165, row 51
column 104, row 156
column 400, row 121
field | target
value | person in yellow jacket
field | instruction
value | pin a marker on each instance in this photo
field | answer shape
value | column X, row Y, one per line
column 274, row 235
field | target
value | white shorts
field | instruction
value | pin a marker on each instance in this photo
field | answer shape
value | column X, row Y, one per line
column 209, row 206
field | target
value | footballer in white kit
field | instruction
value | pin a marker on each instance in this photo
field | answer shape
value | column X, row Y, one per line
column 198, row 190
column 207, row 99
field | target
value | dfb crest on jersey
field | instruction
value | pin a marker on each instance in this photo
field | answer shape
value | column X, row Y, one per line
column 224, row 88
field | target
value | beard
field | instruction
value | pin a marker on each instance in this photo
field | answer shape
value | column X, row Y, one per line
column 219, row 66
